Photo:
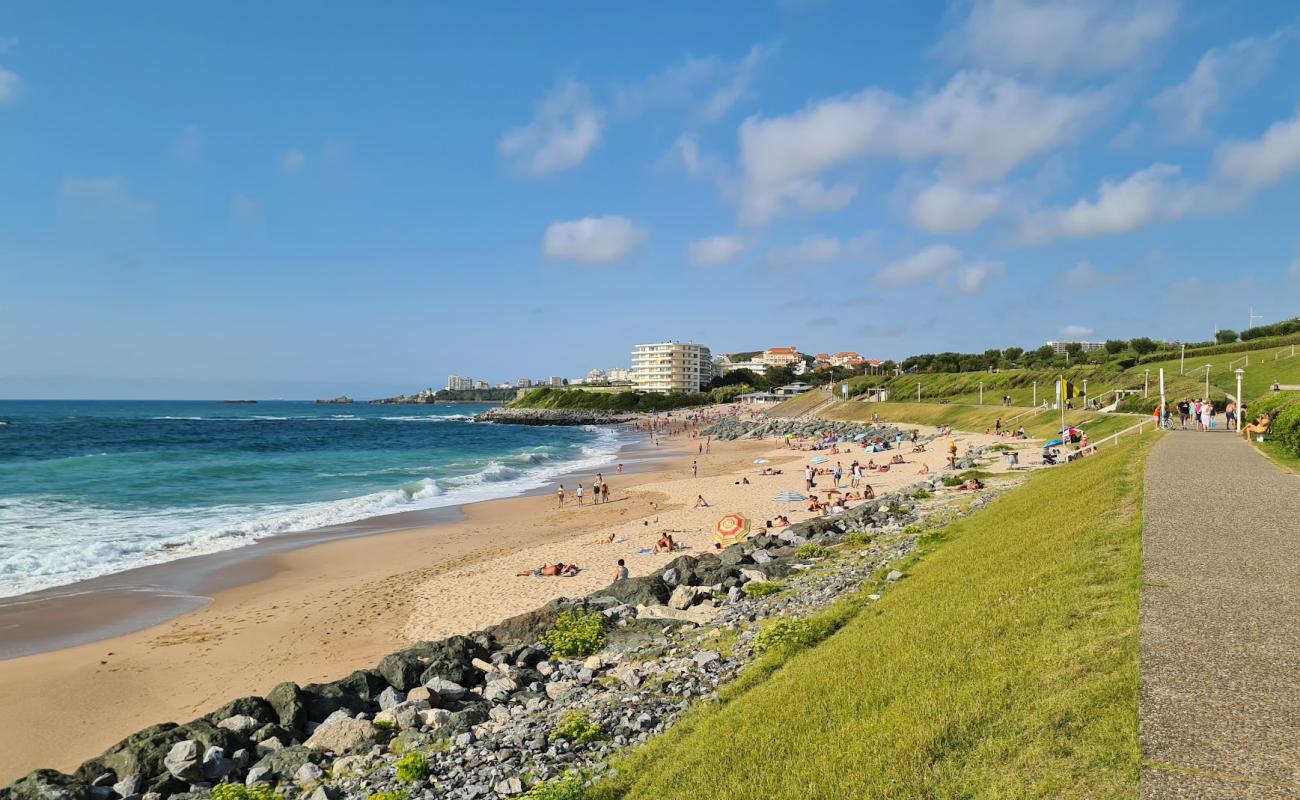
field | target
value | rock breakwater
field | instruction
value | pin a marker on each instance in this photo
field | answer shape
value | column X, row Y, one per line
column 552, row 416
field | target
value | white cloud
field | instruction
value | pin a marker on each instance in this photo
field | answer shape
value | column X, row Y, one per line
column 716, row 249
column 565, row 129
column 811, row 251
column 985, row 125
column 1221, row 73
column 687, row 150
column 292, row 162
column 951, row 208
column 932, row 262
column 942, row 264
column 188, row 146
column 11, row 87
column 246, row 209
column 1075, row 332
column 1155, row 194
column 1062, row 37
column 738, row 87
column 104, row 195
column 1256, row 163
column 593, row 240
column 971, row 278
column 1085, row 276
column 713, row 86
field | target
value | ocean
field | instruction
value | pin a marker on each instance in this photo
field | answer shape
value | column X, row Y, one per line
column 89, row 488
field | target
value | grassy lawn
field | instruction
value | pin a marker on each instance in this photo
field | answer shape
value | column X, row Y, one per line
column 797, row 405
column 1003, row 665
column 1266, row 366
column 1040, row 424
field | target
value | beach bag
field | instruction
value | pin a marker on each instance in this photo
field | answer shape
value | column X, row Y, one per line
column 1214, row 422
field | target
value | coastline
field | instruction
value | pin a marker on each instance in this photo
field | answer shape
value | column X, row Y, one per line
column 317, row 613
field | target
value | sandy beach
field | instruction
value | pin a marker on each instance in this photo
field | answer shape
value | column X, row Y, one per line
column 320, row 612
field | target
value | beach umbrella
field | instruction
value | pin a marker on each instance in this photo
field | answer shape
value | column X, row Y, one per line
column 789, row 497
column 859, row 437
column 762, row 461
column 818, row 460
column 731, row 529
column 1053, row 443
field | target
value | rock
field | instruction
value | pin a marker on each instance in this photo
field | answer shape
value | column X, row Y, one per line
column 683, row 597
column 499, row 689
column 337, row 716
column 447, row 689
column 436, row 717
column 259, row 774
column 422, row 694
column 402, row 670
column 734, row 556
column 324, row 792
column 289, row 705
column 734, row 594
column 241, row 724
column 344, row 736
column 509, row 786
column 630, row 676
column 215, row 764
column 308, row 774
column 287, row 761
column 557, row 689
column 753, row 575
column 130, row 785
column 593, row 663
column 391, row 697
column 185, row 761
column 47, row 784
column 698, row 615
column 643, row 591
column 893, row 575
column 255, row 707
column 705, row 658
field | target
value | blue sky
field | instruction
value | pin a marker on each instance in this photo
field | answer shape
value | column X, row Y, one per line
column 290, row 199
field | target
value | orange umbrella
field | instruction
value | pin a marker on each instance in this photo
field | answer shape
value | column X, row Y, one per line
column 731, row 529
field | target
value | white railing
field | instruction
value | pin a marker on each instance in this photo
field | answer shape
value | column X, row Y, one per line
column 1244, row 361
column 1279, row 357
column 1114, row 437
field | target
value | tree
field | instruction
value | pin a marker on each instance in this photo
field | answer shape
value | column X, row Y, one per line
column 1225, row 336
column 1143, row 345
column 1074, row 350
column 1116, row 346
column 1013, row 354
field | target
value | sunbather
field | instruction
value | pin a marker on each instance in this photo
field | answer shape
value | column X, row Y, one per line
column 548, row 569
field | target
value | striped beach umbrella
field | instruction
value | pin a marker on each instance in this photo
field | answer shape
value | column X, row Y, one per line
column 731, row 529
column 818, row 460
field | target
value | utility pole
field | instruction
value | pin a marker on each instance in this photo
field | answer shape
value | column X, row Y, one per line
column 981, row 392
column 1161, row 418
column 1250, row 320
column 918, row 390
column 1207, row 383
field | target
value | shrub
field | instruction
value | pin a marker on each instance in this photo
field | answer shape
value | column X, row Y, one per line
column 566, row 787
column 762, row 588
column 952, row 480
column 385, row 725
column 577, row 726
column 393, row 794
column 789, row 635
column 812, row 550
column 576, row 634
column 235, row 791
column 921, row 495
column 412, row 767
column 857, row 539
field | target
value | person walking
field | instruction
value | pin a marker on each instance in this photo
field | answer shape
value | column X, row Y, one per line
column 580, row 493
column 695, row 469
column 604, row 492
column 808, row 478
column 559, row 493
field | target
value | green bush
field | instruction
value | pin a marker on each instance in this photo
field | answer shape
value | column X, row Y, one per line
column 385, row 725
column 788, row 635
column 952, row 480
column 577, row 726
column 576, row 634
column 412, row 767
column 812, row 550
column 857, row 539
column 762, row 588
column 921, row 494
column 566, row 787
column 394, row 794
column 236, row 791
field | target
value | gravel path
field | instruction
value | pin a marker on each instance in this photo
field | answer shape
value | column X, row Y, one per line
column 1220, row 622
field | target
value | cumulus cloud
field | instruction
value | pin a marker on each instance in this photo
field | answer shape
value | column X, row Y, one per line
column 292, row 162
column 1219, row 75
column 942, row 264
column 1075, row 332
column 1157, row 193
column 593, row 240
column 1062, row 37
column 108, row 196
column 811, row 251
column 1256, row 163
column 566, row 127
column 188, row 146
column 983, row 124
column 952, row 208
column 1083, row 277
column 716, row 249
column 11, row 87
column 738, row 87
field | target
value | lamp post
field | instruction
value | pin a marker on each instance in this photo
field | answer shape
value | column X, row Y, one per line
column 1240, row 372
column 1207, row 383
column 1182, row 357
column 1146, row 383
column 1035, row 403
column 981, row 392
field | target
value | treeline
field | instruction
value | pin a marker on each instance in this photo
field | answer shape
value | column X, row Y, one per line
column 1115, row 350
column 546, row 397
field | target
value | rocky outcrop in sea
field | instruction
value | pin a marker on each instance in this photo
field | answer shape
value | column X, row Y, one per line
column 486, row 711
column 552, row 416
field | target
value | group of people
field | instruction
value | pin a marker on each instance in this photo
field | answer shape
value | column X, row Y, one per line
column 599, row 491
column 1200, row 413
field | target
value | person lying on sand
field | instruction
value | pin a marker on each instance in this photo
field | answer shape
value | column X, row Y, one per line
column 548, row 569
column 665, row 544
column 603, row 540
column 920, row 448
column 924, row 470
column 898, row 459
column 700, row 502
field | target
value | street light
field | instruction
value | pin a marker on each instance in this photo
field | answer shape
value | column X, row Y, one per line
column 1240, row 372
column 1146, row 383
column 1207, row 383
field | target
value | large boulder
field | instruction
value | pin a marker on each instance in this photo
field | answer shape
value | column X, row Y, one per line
column 47, row 784
column 290, row 706
column 185, row 761
column 256, row 707
column 649, row 590
column 285, row 763
column 402, row 670
column 344, row 736
column 358, row 692
column 142, row 752
column 529, row 627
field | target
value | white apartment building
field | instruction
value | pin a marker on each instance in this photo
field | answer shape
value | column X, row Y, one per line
column 756, row 367
column 456, row 383
column 671, row 367
column 1060, row 347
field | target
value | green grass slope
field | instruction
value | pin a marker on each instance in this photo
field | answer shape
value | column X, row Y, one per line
column 977, row 419
column 798, row 404
column 1004, row 665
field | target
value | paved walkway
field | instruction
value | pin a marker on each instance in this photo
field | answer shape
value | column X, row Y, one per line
column 1220, row 622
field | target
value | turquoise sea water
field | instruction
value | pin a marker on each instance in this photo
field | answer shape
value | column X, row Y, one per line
column 89, row 488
